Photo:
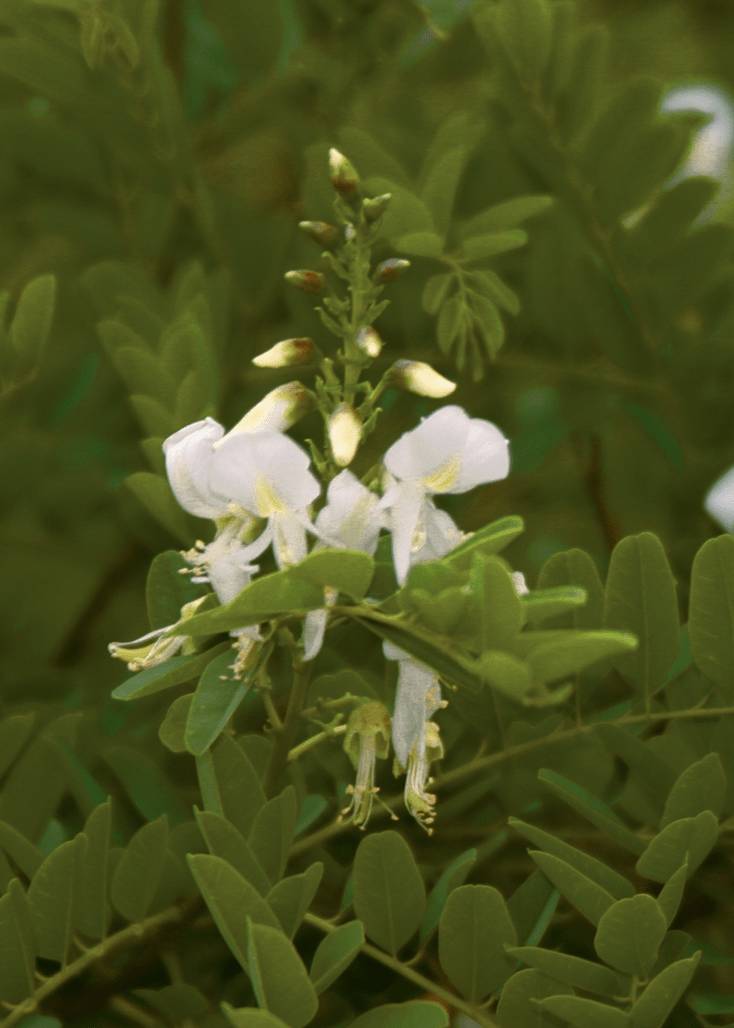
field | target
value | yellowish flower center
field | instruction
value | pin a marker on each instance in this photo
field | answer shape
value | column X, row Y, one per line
column 443, row 479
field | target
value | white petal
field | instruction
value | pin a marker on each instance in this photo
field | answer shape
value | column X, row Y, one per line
column 442, row 534
column 426, row 449
column 351, row 514
column 719, row 501
column 403, row 514
column 189, row 458
column 409, row 716
column 289, row 538
column 265, row 472
column 485, row 457
column 313, row 632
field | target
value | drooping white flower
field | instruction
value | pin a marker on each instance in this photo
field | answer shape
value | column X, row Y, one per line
column 352, row 520
column 449, row 452
column 156, row 649
column 719, row 501
column 366, row 740
column 415, row 737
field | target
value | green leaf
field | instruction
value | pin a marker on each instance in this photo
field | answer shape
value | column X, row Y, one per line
column 652, row 1007
column 27, row 856
column 32, row 321
column 389, row 895
column 94, row 910
column 370, row 158
column 421, row 644
column 585, row 81
column 592, row 808
column 589, row 866
column 702, row 786
column 630, row 933
column 434, row 292
column 281, row 592
column 671, row 894
column 583, row 1012
column 14, row 733
column 441, row 182
column 55, row 899
column 651, row 772
column 572, row 651
column 166, row 591
column 575, row 568
column 500, row 607
column 139, row 871
column 505, row 216
column 290, row 898
column 517, row 1004
column 271, row 834
column 640, row 598
column 223, row 840
column 176, row 1002
column 488, row 322
column 217, row 697
column 173, row 726
column 488, row 540
column 449, row 319
column 147, row 784
column 477, row 248
column 584, row 974
column 155, row 418
column 335, row 953
column 349, row 571
column 548, row 603
column 17, row 945
column 441, row 612
column 451, row 879
column 506, row 673
column 421, row 244
column 473, row 927
column 524, row 27
column 414, row 1013
column 251, row 1017
column 229, row 784
column 144, row 374
column 230, row 899
column 637, row 101
column 691, row 838
column 171, row 672
column 711, row 610
column 406, row 213
column 670, row 217
column 590, row 899
column 279, row 977
column 493, row 288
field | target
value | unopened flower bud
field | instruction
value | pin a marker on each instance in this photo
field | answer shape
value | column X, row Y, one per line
column 306, row 280
column 369, row 341
column 420, row 378
column 376, row 207
column 276, row 412
column 343, row 176
column 320, row 231
column 391, row 269
column 285, row 353
column 345, row 430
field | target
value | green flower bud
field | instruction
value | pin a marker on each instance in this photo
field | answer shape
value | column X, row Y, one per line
column 306, row 280
column 391, row 269
column 343, row 176
column 320, row 231
column 345, row 431
column 420, row 378
column 376, row 207
column 285, row 353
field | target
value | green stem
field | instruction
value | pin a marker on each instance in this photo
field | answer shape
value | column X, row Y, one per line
column 128, row 936
column 303, row 747
column 285, row 736
column 413, row 976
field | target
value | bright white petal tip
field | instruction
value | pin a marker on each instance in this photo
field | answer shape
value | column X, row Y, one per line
column 719, row 501
column 421, row 378
column 345, row 430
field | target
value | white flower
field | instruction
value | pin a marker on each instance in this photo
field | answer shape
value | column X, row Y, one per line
column 421, row 378
column 138, row 657
column 266, row 473
column 449, row 452
column 277, row 411
column 719, row 501
column 188, row 455
column 415, row 737
column 351, row 520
